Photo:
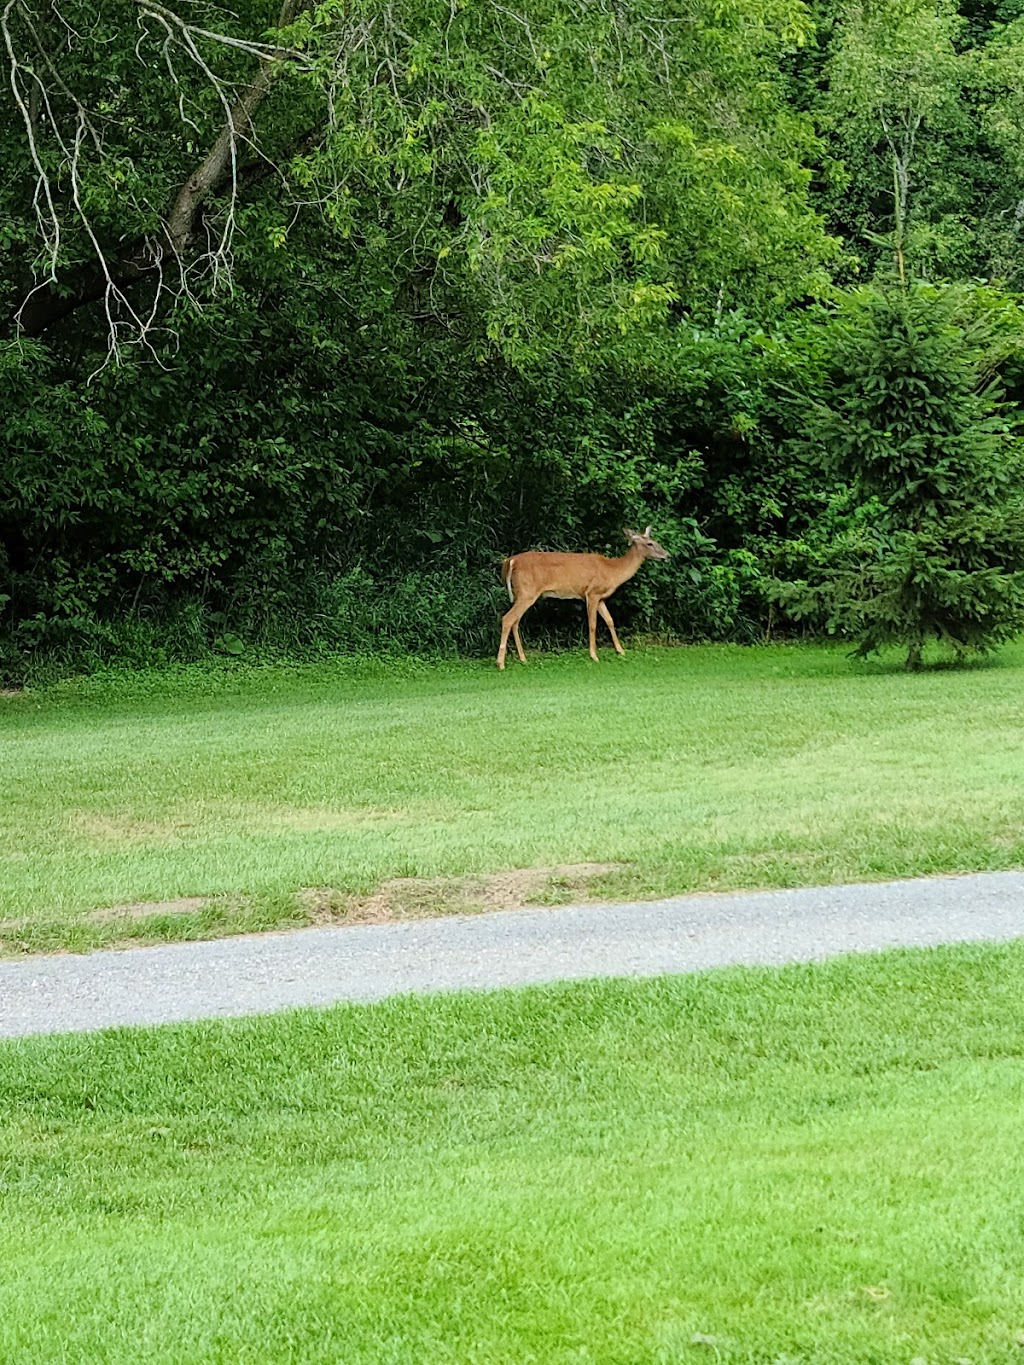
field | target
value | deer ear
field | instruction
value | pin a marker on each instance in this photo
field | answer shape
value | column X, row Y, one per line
column 630, row 535
column 647, row 533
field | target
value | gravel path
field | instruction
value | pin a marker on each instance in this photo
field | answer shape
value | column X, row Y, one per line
column 260, row 974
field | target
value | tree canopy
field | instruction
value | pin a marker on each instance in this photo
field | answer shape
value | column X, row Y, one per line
column 560, row 174
column 301, row 298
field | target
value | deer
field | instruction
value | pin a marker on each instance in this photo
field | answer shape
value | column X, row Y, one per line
column 544, row 573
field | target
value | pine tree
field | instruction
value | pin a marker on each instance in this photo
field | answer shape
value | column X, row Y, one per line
column 913, row 420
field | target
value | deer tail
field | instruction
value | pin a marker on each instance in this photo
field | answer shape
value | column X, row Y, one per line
column 506, row 577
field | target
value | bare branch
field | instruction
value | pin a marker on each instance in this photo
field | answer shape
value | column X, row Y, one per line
column 49, row 221
column 266, row 52
column 220, row 171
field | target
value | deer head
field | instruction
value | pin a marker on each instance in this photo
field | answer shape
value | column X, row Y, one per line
column 649, row 549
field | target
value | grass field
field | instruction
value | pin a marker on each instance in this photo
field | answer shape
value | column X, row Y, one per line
column 819, row 1165
column 696, row 768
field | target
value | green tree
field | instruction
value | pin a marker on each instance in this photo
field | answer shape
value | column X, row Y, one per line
column 388, row 290
column 564, row 174
column 895, row 116
column 913, row 422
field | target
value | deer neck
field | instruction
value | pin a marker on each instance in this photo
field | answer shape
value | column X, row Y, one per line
column 626, row 565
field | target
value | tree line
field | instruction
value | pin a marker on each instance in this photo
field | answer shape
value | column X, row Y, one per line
column 309, row 314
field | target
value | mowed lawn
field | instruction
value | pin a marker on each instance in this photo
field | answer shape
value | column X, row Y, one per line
column 820, row 1165
column 699, row 768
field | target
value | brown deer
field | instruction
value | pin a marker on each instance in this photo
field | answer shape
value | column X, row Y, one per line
column 592, row 577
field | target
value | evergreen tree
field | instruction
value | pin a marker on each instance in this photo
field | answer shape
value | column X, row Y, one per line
column 912, row 420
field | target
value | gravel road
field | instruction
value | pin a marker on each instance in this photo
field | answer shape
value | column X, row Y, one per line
column 259, row 974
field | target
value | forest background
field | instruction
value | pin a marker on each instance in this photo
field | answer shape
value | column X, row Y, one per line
column 308, row 316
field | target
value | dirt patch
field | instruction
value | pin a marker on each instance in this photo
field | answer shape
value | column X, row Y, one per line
column 111, row 914
column 405, row 898
column 185, row 905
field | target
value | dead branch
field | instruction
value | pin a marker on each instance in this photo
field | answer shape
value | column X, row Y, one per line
column 164, row 257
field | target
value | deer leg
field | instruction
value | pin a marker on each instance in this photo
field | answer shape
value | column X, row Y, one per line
column 606, row 617
column 511, row 621
column 519, row 642
column 592, row 605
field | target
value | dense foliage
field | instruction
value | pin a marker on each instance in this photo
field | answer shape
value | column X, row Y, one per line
column 313, row 313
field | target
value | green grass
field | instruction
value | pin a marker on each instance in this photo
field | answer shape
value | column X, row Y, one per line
column 702, row 768
column 821, row 1164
